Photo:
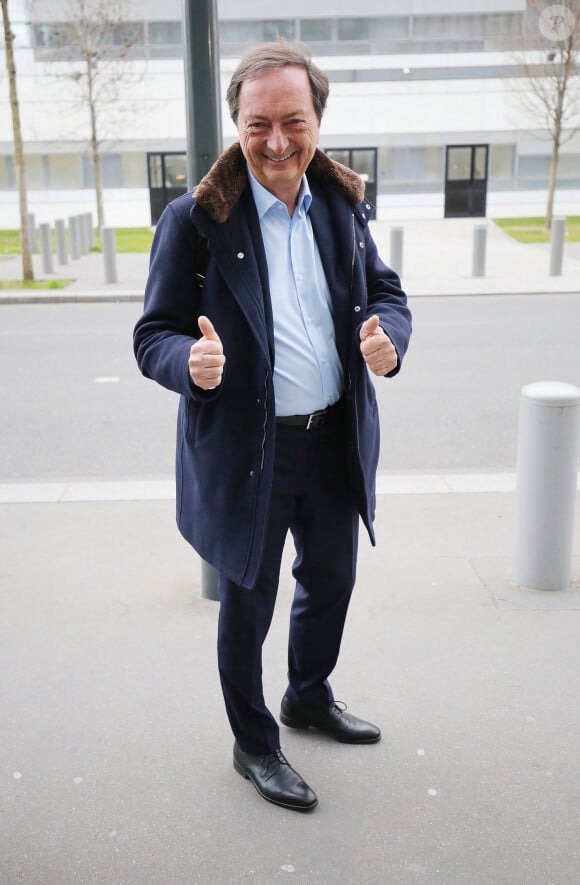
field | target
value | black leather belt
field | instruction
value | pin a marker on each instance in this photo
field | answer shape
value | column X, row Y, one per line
column 308, row 422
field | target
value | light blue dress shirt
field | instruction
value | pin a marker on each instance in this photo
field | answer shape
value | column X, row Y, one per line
column 308, row 373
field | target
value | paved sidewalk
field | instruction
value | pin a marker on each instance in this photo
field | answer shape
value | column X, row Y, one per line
column 437, row 260
column 115, row 746
column 117, row 754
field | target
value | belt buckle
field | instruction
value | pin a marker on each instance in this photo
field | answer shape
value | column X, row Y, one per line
column 316, row 419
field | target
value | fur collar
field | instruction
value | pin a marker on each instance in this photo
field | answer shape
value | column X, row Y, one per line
column 219, row 190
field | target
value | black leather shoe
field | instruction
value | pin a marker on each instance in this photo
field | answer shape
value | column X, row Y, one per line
column 334, row 721
column 275, row 779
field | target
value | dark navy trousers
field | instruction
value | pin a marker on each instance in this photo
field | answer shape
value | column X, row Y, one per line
column 311, row 497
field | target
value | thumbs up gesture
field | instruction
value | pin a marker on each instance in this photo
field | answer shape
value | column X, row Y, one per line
column 206, row 357
column 378, row 351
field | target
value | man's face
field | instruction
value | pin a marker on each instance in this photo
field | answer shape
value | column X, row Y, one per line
column 278, row 129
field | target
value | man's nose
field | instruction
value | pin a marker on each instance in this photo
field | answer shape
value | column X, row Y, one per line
column 277, row 140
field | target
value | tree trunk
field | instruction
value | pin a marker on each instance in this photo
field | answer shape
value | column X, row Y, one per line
column 95, row 154
column 19, row 159
column 552, row 181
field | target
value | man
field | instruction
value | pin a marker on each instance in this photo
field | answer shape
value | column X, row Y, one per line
column 266, row 306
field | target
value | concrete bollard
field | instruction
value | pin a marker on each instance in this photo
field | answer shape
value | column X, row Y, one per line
column 546, row 482
column 73, row 225
column 557, row 240
column 60, row 232
column 209, row 582
column 109, row 254
column 32, row 233
column 82, row 234
column 90, row 229
column 479, row 250
column 396, row 261
column 46, row 248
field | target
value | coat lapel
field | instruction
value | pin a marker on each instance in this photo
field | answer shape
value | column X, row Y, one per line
column 236, row 245
column 335, row 249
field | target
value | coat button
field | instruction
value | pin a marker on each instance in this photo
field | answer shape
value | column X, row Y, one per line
column 252, row 472
column 362, row 245
column 356, row 308
column 240, row 255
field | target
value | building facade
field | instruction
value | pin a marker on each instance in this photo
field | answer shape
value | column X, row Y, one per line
column 425, row 104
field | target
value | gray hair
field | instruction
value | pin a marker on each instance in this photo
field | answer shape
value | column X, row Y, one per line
column 277, row 55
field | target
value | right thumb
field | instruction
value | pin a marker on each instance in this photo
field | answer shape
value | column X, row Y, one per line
column 207, row 329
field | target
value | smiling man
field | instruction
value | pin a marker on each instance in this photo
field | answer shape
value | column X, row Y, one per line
column 267, row 305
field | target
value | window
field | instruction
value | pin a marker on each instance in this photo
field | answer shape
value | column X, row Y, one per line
column 134, row 170
column 36, row 172
column 7, row 178
column 250, row 32
column 501, row 161
column 412, row 164
column 316, row 30
column 353, row 29
column 164, row 33
column 111, row 171
column 534, row 167
column 128, row 34
column 64, row 171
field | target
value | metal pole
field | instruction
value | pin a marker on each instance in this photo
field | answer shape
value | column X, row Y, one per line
column 546, row 482
column 397, row 249
column 479, row 249
column 60, row 241
column 73, row 229
column 557, row 248
column 46, row 248
column 202, row 87
column 204, row 135
column 109, row 254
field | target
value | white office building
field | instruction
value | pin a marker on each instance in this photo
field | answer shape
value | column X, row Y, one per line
column 425, row 104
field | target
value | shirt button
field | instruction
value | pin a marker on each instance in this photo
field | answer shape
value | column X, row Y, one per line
column 240, row 255
column 357, row 308
column 300, row 276
column 252, row 472
column 362, row 245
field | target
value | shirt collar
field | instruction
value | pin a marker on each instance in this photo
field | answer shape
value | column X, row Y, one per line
column 264, row 200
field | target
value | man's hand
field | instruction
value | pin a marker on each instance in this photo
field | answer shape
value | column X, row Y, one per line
column 378, row 351
column 206, row 357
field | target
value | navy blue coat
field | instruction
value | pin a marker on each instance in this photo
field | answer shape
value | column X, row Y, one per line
column 208, row 258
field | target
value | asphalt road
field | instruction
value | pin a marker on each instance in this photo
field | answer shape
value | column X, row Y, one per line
column 74, row 405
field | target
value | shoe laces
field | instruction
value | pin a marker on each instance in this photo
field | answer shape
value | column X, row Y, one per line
column 339, row 707
column 272, row 762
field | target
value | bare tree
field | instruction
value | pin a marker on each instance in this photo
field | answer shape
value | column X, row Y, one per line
column 19, row 159
column 95, row 40
column 549, row 63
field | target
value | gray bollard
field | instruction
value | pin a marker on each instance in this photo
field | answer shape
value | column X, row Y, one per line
column 546, row 482
column 109, row 254
column 46, row 248
column 60, row 232
column 396, row 261
column 90, row 228
column 32, row 233
column 73, row 229
column 82, row 234
column 558, row 238
column 209, row 582
column 479, row 249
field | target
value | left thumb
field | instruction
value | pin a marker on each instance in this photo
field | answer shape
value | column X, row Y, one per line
column 368, row 327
